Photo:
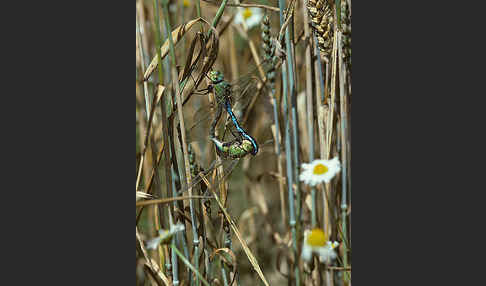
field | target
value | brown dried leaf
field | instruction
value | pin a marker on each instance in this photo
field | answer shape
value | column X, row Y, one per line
column 177, row 34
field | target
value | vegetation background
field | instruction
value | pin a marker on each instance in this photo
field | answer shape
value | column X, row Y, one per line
column 251, row 233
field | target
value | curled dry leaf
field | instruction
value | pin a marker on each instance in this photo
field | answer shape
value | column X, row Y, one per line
column 177, row 34
column 233, row 264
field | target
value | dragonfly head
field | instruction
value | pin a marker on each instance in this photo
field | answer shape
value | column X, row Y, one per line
column 216, row 77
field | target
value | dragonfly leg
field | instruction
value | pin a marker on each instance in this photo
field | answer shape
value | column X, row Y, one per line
column 229, row 143
column 201, row 92
column 204, row 91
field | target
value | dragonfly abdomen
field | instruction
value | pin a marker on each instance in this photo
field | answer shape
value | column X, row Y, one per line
column 240, row 130
column 234, row 150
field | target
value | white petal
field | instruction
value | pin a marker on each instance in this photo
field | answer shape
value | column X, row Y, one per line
column 239, row 18
column 304, row 176
column 311, row 182
column 255, row 18
column 154, row 242
column 306, row 166
column 334, row 244
column 177, row 227
column 326, row 254
column 335, row 165
column 327, row 177
column 162, row 232
column 306, row 252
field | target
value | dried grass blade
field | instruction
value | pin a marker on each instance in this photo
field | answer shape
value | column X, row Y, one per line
column 168, row 200
column 189, row 264
column 177, row 34
column 233, row 256
column 160, row 91
column 247, row 250
column 151, row 264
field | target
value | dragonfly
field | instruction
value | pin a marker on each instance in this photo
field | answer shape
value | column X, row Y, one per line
column 228, row 95
column 235, row 149
column 240, row 94
column 244, row 143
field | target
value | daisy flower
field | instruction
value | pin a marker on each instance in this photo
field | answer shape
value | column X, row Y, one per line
column 165, row 236
column 319, row 171
column 251, row 16
column 186, row 3
column 315, row 241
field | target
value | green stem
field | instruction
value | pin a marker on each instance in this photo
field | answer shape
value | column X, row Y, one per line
column 218, row 16
column 338, row 13
column 285, row 77
column 175, row 250
column 198, row 13
column 168, row 175
column 165, row 11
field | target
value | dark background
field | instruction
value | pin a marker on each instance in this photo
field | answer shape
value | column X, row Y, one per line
column 416, row 131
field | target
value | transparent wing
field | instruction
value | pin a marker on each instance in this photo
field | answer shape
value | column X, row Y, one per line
column 201, row 122
column 243, row 93
column 207, row 173
column 247, row 88
column 228, row 167
column 203, row 119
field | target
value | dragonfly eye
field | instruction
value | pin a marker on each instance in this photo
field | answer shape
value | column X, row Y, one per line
column 216, row 77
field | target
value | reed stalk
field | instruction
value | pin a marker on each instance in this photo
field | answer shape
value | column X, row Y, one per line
column 344, row 140
column 310, row 106
column 288, row 89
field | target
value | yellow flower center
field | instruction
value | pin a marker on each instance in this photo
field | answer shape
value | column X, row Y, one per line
column 186, row 3
column 320, row 169
column 247, row 13
column 316, row 237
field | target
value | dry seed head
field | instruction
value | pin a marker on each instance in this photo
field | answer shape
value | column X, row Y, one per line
column 321, row 13
column 268, row 45
column 267, row 38
column 346, row 38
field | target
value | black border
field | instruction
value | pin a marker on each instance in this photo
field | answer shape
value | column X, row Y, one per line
column 412, row 127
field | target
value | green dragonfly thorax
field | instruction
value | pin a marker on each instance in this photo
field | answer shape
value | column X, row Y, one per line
column 222, row 89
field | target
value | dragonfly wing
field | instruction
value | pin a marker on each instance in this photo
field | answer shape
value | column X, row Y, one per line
column 199, row 129
column 228, row 167
column 202, row 120
column 246, row 87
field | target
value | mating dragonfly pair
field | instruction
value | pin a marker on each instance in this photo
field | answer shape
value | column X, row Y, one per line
column 243, row 143
column 239, row 93
column 235, row 97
